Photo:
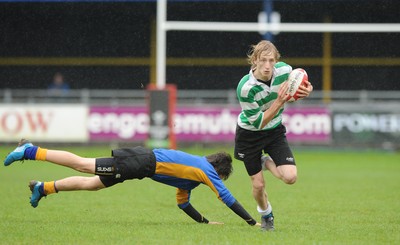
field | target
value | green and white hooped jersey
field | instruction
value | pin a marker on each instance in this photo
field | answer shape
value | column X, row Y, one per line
column 256, row 97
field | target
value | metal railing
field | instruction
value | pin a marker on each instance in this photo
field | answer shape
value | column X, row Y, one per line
column 228, row 97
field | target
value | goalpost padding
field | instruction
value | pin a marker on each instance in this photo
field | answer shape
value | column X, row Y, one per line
column 161, row 108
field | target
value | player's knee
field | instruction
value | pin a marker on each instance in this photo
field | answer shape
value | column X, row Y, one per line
column 288, row 174
column 94, row 184
column 258, row 186
column 289, row 178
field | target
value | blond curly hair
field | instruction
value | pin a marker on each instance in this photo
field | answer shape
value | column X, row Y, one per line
column 256, row 50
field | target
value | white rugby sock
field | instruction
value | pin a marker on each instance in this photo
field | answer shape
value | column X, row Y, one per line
column 265, row 212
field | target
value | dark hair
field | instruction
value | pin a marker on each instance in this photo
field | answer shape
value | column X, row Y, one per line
column 222, row 162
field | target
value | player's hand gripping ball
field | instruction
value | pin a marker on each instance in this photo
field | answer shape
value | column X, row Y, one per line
column 296, row 78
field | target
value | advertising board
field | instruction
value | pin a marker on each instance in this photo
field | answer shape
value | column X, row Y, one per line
column 43, row 122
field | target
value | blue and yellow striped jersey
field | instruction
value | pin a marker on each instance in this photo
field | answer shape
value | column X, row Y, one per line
column 186, row 172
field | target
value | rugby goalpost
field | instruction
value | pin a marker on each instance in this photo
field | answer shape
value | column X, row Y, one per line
column 163, row 26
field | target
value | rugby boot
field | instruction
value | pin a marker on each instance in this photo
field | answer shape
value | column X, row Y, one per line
column 18, row 153
column 267, row 222
column 37, row 192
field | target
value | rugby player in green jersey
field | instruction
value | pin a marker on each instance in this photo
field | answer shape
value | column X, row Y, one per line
column 262, row 95
column 175, row 168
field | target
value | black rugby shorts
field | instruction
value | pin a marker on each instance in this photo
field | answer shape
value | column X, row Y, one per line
column 127, row 163
column 250, row 145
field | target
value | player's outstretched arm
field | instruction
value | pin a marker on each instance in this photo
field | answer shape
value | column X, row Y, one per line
column 236, row 207
column 194, row 214
column 239, row 210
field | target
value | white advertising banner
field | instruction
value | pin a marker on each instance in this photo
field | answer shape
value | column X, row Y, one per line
column 43, row 122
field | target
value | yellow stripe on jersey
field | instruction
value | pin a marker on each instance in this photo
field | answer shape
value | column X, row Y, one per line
column 182, row 196
column 184, row 172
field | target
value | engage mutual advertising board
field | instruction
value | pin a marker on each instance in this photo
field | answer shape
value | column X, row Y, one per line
column 83, row 123
column 202, row 124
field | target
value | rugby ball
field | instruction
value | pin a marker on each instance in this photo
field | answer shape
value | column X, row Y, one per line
column 296, row 78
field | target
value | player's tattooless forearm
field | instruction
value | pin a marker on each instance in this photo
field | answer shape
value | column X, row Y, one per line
column 239, row 210
column 270, row 114
column 194, row 214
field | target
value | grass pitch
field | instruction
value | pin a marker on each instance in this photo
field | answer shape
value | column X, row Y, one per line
column 339, row 198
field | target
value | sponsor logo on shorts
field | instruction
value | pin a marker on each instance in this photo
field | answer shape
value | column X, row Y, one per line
column 104, row 169
column 118, row 176
column 289, row 159
column 241, row 155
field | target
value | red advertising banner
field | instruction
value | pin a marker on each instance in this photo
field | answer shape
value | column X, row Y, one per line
column 202, row 124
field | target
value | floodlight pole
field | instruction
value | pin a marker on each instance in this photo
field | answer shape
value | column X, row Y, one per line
column 161, row 44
